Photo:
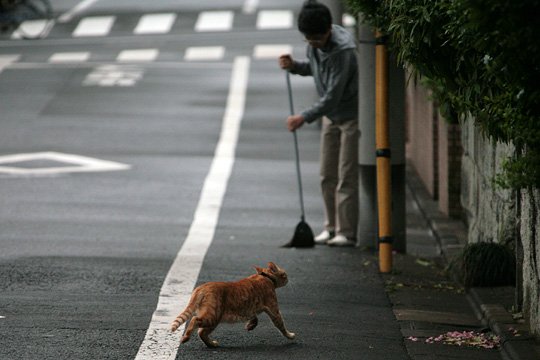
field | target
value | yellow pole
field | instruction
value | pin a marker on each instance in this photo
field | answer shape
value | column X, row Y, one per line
column 384, row 193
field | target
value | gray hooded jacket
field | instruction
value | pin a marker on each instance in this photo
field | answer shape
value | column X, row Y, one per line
column 335, row 71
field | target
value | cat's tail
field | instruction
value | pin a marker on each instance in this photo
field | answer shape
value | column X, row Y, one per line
column 186, row 314
column 180, row 319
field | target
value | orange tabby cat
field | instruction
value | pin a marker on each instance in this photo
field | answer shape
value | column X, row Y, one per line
column 243, row 300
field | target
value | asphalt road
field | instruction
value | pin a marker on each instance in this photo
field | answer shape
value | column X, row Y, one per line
column 84, row 254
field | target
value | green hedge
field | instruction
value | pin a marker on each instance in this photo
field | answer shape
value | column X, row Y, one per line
column 479, row 57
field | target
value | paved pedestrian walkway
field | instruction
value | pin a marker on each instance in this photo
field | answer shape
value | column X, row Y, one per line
column 433, row 310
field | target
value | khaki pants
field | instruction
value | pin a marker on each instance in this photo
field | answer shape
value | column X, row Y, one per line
column 339, row 176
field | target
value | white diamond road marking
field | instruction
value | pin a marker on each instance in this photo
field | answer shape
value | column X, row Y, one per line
column 214, row 21
column 74, row 163
column 204, row 53
column 70, row 57
column 114, row 75
column 155, row 24
column 271, row 51
column 94, row 26
column 141, row 55
column 274, row 19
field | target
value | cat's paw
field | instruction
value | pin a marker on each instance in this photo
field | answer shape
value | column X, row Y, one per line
column 185, row 339
column 290, row 335
column 252, row 324
column 212, row 344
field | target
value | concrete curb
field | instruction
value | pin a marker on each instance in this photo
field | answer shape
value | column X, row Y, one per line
column 451, row 236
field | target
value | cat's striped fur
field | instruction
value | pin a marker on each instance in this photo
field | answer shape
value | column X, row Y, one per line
column 243, row 300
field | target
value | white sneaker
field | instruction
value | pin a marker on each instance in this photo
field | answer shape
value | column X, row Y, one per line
column 323, row 237
column 341, row 241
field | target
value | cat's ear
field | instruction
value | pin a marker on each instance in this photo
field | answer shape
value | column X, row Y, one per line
column 258, row 269
column 273, row 267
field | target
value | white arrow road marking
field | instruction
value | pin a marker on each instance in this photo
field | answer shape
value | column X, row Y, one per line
column 159, row 343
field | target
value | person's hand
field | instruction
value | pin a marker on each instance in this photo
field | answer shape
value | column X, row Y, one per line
column 286, row 62
column 294, row 122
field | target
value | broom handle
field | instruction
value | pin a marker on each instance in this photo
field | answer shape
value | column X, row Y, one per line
column 291, row 108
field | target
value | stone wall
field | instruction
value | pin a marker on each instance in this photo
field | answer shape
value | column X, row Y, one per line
column 490, row 212
column 529, row 231
column 498, row 215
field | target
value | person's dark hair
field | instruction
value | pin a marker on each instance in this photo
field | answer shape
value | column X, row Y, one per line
column 314, row 18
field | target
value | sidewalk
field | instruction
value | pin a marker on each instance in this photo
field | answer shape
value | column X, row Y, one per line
column 428, row 305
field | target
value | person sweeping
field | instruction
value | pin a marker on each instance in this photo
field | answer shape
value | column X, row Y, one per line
column 331, row 60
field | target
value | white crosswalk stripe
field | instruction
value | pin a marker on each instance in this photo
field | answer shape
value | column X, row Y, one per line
column 65, row 57
column 159, row 23
column 139, row 55
column 271, row 51
column 199, row 53
column 193, row 53
column 274, row 19
column 214, row 21
column 155, row 24
column 94, row 26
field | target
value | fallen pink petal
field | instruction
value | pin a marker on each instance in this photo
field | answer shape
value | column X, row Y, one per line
column 465, row 338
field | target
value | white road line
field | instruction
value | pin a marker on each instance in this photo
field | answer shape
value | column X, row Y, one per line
column 80, row 7
column 159, row 343
column 155, row 24
column 250, row 6
column 63, row 57
column 198, row 53
column 139, row 55
column 94, row 26
column 274, row 19
column 214, row 21
column 271, row 51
